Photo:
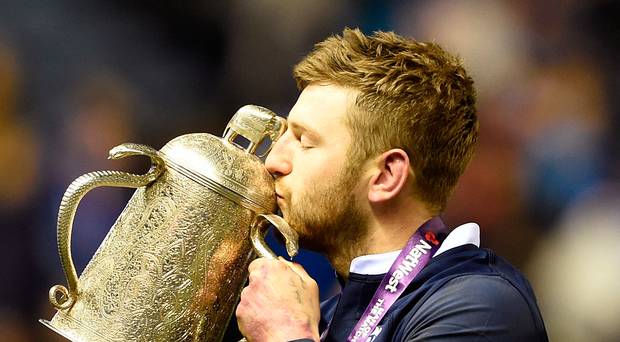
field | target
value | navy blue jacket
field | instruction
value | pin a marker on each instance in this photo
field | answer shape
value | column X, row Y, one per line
column 464, row 294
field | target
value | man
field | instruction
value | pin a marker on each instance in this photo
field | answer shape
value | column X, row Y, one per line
column 383, row 128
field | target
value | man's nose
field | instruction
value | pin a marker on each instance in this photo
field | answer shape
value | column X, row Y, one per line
column 278, row 161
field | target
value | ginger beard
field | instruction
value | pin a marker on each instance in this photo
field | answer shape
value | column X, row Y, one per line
column 327, row 216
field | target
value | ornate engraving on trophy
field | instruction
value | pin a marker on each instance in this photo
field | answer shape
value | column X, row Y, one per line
column 173, row 264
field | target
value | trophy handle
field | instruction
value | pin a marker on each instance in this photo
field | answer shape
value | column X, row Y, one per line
column 60, row 296
column 258, row 241
column 257, row 235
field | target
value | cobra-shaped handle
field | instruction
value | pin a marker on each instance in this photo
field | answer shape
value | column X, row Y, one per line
column 257, row 235
column 62, row 297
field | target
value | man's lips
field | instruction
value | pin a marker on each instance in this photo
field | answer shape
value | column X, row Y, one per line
column 280, row 192
column 280, row 199
column 281, row 204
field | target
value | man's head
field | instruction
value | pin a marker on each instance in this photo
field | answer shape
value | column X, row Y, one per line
column 380, row 118
column 412, row 96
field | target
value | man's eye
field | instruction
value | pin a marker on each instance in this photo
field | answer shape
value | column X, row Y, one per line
column 305, row 144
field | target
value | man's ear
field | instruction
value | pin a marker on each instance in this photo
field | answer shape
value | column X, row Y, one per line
column 391, row 174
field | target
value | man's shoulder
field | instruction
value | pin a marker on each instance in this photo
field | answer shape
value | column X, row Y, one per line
column 482, row 295
column 472, row 265
column 471, row 291
column 488, row 306
column 469, row 276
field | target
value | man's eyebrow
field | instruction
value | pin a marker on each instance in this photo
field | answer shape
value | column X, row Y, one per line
column 302, row 128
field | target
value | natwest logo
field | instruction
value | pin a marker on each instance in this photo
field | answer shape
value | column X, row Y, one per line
column 407, row 265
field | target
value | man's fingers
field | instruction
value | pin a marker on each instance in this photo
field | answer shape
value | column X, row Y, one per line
column 256, row 264
column 259, row 268
column 297, row 268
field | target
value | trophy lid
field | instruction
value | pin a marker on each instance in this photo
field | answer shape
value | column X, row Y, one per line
column 224, row 166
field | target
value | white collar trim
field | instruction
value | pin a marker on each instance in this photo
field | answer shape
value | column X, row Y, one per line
column 468, row 233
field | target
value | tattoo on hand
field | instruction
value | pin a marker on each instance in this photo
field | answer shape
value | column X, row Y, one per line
column 291, row 282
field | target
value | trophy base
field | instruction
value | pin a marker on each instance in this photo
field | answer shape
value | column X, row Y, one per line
column 56, row 330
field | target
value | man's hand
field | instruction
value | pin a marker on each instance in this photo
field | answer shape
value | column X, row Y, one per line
column 281, row 303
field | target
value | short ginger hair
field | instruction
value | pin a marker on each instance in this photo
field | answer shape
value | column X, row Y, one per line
column 412, row 95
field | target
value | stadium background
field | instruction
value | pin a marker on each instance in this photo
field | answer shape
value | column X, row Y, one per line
column 78, row 77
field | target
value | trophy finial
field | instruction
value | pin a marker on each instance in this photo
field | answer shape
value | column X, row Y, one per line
column 255, row 123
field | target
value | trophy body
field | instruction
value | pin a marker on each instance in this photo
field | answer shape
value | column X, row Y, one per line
column 173, row 265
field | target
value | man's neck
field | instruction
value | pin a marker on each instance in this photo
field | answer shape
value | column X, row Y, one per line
column 383, row 236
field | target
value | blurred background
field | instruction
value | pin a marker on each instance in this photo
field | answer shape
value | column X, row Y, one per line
column 79, row 77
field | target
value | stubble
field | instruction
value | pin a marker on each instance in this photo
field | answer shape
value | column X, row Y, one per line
column 328, row 218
